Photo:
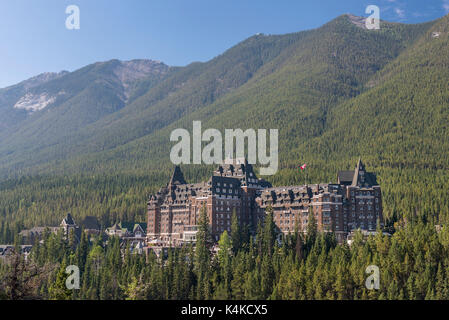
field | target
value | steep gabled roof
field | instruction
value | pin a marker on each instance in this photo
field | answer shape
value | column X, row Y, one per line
column 115, row 227
column 357, row 177
column 68, row 220
column 133, row 226
column 177, row 177
column 362, row 178
column 345, row 177
column 142, row 226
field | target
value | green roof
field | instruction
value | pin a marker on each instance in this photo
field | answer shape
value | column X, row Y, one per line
column 131, row 226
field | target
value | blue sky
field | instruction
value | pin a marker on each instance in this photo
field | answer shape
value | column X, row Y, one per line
column 34, row 39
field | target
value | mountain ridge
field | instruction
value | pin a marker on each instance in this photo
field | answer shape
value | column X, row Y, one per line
column 159, row 99
column 335, row 93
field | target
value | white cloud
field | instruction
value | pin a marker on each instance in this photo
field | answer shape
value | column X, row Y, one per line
column 400, row 12
column 446, row 5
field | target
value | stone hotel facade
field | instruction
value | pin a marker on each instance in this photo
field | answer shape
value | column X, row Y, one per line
column 354, row 202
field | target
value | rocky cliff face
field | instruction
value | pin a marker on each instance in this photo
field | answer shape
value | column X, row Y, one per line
column 128, row 72
column 121, row 78
column 41, row 79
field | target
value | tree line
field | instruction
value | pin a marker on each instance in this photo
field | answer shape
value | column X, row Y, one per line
column 413, row 264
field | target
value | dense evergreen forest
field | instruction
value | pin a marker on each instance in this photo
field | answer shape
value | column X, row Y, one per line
column 335, row 93
column 413, row 264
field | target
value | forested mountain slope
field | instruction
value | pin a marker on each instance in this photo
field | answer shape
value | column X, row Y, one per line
column 400, row 126
column 10, row 96
column 56, row 111
column 299, row 75
column 334, row 93
column 294, row 93
column 181, row 91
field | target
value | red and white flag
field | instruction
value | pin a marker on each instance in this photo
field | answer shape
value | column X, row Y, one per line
column 303, row 166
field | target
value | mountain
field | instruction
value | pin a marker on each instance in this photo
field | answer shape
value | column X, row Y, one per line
column 49, row 109
column 48, row 89
column 45, row 137
column 334, row 93
column 314, row 72
column 11, row 96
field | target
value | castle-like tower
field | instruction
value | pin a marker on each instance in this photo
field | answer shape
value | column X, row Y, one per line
column 174, row 211
column 354, row 202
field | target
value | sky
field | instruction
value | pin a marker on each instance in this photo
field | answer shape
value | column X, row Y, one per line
column 34, row 37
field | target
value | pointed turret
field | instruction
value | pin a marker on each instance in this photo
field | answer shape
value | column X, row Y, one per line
column 362, row 178
column 68, row 221
column 355, row 177
column 177, row 177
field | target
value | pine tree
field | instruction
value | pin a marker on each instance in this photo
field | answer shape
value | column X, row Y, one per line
column 202, row 255
column 441, row 289
column 312, row 230
column 298, row 247
column 82, row 251
column 238, row 279
column 236, row 233
column 224, row 258
column 252, row 285
column 58, row 290
column 269, row 232
column 267, row 276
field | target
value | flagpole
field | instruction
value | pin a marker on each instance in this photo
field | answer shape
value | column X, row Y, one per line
column 305, row 177
column 303, row 168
